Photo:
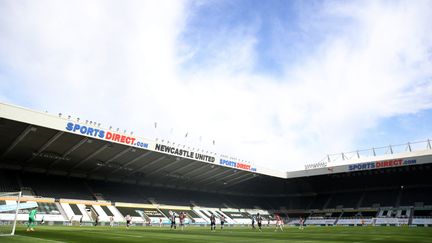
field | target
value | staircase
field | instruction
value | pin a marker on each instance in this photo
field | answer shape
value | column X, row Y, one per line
column 411, row 216
column 27, row 191
column 95, row 195
column 98, row 197
column 152, row 201
column 398, row 199
column 190, row 218
column 145, row 217
column 359, row 203
column 340, row 216
column 327, row 203
column 61, row 210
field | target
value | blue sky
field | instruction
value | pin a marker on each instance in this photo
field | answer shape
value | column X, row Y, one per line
column 284, row 31
column 276, row 83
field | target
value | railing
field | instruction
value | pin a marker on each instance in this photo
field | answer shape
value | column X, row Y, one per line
column 372, row 152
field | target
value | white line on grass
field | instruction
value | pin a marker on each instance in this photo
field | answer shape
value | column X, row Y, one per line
column 110, row 233
column 41, row 239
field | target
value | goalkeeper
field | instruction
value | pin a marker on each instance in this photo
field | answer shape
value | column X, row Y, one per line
column 32, row 220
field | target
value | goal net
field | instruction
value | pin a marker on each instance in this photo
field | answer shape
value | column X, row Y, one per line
column 10, row 203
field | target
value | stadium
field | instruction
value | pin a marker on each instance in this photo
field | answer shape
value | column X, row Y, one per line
column 87, row 180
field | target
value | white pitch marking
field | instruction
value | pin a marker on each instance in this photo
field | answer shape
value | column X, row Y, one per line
column 36, row 238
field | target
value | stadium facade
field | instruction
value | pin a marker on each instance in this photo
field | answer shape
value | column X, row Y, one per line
column 77, row 171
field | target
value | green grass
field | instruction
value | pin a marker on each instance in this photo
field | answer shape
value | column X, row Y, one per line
column 238, row 234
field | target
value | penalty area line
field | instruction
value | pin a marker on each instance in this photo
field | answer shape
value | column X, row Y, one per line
column 44, row 240
column 116, row 234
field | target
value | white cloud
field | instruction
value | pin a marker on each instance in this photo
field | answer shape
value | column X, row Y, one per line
column 368, row 70
column 92, row 58
column 118, row 63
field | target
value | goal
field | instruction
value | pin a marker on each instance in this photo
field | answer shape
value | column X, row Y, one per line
column 9, row 206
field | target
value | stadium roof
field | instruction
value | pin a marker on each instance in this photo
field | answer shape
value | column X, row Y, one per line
column 41, row 142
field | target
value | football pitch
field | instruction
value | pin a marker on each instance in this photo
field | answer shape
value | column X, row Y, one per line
column 239, row 234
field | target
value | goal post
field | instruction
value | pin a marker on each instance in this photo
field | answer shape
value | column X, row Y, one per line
column 9, row 206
